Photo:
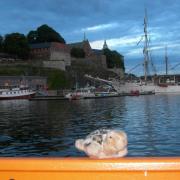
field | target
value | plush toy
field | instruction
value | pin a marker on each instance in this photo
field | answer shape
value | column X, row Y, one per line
column 104, row 144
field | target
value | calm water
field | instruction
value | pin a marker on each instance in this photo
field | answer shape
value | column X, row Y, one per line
column 49, row 128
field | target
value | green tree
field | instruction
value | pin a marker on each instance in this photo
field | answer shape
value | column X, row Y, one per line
column 114, row 59
column 32, row 36
column 16, row 44
column 44, row 33
column 77, row 53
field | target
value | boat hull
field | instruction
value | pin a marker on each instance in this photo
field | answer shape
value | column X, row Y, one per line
column 129, row 87
column 175, row 89
column 90, row 169
column 26, row 96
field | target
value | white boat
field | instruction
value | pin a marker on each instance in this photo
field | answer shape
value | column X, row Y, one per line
column 166, row 88
column 82, row 93
column 106, row 92
column 13, row 92
column 91, row 92
column 127, row 88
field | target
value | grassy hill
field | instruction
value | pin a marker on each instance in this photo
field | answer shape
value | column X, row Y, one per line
column 57, row 79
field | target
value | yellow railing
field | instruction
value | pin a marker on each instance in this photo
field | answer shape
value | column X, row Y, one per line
column 89, row 169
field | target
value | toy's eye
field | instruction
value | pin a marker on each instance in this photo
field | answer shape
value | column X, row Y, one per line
column 87, row 144
column 110, row 137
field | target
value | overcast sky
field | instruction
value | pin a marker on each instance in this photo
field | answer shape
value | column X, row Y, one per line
column 120, row 22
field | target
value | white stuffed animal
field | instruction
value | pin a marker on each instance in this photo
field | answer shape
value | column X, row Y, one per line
column 104, row 144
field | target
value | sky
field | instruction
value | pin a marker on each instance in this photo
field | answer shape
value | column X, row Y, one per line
column 119, row 22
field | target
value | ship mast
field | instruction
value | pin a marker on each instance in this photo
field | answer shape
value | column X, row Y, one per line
column 145, row 50
column 166, row 60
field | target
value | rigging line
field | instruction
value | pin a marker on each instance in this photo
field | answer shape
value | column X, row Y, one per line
column 174, row 67
column 133, row 68
column 150, row 57
column 142, row 37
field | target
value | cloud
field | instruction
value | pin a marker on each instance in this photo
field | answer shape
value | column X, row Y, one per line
column 134, row 52
column 119, row 22
column 157, row 50
column 99, row 27
column 116, row 42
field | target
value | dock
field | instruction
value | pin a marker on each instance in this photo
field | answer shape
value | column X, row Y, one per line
column 42, row 98
column 45, row 98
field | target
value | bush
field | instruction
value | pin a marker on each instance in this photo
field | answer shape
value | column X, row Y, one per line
column 77, row 53
column 44, row 33
column 114, row 59
column 16, row 44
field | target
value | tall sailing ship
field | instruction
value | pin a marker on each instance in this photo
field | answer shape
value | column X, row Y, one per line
column 168, row 86
column 144, row 86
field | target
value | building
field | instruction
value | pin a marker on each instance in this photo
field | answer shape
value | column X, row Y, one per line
column 53, row 54
column 105, row 46
column 92, row 55
column 82, row 45
column 58, row 55
column 34, row 82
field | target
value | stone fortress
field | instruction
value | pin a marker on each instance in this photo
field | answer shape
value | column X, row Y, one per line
column 58, row 55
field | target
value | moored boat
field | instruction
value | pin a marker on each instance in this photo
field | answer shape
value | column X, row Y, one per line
column 134, row 93
column 14, row 92
column 91, row 92
column 106, row 92
column 81, row 93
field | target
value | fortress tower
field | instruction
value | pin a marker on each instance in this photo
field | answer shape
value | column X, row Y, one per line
column 105, row 46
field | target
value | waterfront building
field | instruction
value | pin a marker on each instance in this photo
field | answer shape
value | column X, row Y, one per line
column 85, row 45
column 94, row 56
column 58, row 55
column 118, row 71
column 34, row 82
column 53, row 54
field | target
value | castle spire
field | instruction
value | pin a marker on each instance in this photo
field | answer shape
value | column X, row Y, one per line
column 105, row 46
column 84, row 36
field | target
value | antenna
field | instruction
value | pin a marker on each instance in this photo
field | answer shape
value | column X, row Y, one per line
column 166, row 60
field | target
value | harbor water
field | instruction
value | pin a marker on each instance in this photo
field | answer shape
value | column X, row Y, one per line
column 49, row 128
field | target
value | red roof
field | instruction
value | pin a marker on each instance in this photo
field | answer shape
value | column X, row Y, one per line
column 60, row 46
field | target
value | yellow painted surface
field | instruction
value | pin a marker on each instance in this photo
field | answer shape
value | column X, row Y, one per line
column 89, row 169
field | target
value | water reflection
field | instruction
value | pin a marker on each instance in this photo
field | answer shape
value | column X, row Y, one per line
column 49, row 128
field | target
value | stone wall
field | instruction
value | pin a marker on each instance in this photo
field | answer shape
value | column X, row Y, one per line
column 61, row 56
column 56, row 64
column 43, row 53
column 97, row 60
column 100, row 60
